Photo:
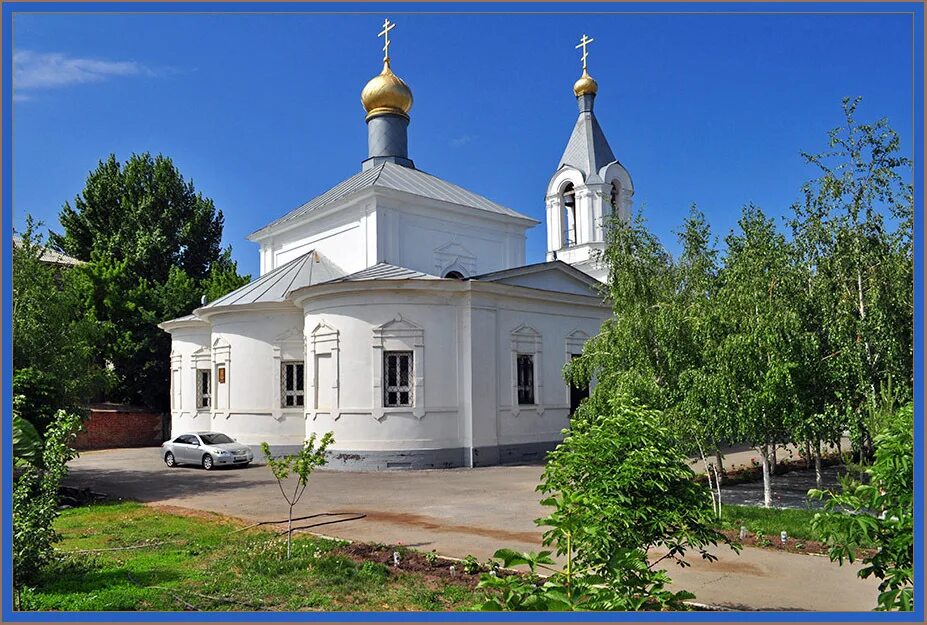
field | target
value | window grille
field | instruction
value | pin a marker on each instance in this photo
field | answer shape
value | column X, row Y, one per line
column 525, row 381
column 203, row 390
column 292, row 380
column 397, row 374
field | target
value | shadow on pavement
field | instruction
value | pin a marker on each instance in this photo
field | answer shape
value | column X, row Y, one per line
column 131, row 483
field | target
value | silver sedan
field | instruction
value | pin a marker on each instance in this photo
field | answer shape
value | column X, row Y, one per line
column 207, row 449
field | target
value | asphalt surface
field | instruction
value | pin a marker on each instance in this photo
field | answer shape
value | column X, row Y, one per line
column 457, row 512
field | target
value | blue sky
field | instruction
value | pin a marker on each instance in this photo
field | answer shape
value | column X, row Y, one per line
column 263, row 111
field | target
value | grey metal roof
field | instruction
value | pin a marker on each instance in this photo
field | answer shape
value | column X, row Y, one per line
column 501, row 274
column 588, row 149
column 385, row 271
column 50, row 256
column 388, row 175
column 306, row 270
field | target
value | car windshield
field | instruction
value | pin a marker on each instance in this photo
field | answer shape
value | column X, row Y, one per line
column 215, row 439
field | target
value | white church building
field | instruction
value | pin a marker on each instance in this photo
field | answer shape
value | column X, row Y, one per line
column 396, row 310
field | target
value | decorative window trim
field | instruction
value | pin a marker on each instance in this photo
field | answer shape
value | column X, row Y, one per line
column 454, row 257
column 221, row 358
column 527, row 388
column 574, row 343
column 527, row 340
column 324, row 339
column 200, row 359
column 408, row 388
column 296, row 393
column 289, row 346
column 399, row 335
column 201, row 393
column 176, row 381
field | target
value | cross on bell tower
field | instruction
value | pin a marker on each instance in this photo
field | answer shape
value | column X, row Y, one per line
column 589, row 188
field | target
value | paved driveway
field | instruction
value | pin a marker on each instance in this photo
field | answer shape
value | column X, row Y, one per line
column 456, row 512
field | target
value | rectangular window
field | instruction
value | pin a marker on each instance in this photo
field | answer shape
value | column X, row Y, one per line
column 292, row 379
column 203, row 390
column 397, row 375
column 524, row 365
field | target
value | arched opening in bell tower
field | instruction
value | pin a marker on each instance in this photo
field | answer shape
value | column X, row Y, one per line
column 568, row 202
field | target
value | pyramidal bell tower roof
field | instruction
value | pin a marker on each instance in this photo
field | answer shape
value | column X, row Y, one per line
column 588, row 149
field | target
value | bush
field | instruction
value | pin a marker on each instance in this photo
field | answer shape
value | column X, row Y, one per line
column 35, row 501
column 619, row 486
column 880, row 513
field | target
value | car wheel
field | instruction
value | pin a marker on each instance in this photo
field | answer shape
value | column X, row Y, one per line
column 207, row 462
column 169, row 460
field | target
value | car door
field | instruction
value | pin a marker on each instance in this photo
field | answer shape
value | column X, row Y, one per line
column 183, row 448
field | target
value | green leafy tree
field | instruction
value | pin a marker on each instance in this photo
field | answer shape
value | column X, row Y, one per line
column 300, row 466
column 696, row 407
column 55, row 337
column 153, row 249
column 853, row 230
column 619, row 486
column 223, row 277
column 27, row 443
column 756, row 360
column 879, row 512
column 35, row 501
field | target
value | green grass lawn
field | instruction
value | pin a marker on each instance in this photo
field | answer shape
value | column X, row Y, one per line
column 769, row 521
column 205, row 566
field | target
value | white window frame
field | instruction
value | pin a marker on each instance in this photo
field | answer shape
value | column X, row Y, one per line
column 324, row 339
column 527, row 341
column 398, row 389
column 295, row 393
column 287, row 347
column 221, row 393
column 519, row 387
column 204, row 399
column 398, row 335
column 176, row 382
column 575, row 341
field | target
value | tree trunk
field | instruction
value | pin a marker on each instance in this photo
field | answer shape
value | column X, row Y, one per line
column 767, row 485
column 818, row 478
column 289, row 532
column 719, row 459
column 773, row 460
column 809, row 454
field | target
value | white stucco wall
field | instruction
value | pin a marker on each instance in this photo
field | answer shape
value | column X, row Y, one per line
column 464, row 336
column 405, row 230
column 435, row 242
column 248, row 406
column 360, row 421
column 185, row 341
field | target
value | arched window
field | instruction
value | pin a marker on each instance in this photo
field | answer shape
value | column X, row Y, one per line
column 454, row 275
column 568, row 195
column 614, row 199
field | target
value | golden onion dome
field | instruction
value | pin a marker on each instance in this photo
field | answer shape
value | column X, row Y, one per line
column 386, row 93
column 585, row 85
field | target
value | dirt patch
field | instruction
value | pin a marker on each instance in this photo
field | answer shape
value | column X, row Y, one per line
column 792, row 545
column 429, row 523
column 433, row 569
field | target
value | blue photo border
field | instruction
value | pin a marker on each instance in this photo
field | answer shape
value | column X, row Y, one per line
column 917, row 11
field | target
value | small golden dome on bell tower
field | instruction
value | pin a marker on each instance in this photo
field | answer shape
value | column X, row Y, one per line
column 585, row 85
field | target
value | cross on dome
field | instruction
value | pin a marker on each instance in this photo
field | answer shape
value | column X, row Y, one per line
column 585, row 41
column 387, row 26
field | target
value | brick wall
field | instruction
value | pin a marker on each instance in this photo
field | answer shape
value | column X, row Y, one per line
column 110, row 426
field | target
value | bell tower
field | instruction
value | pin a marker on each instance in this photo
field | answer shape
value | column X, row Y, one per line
column 588, row 188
